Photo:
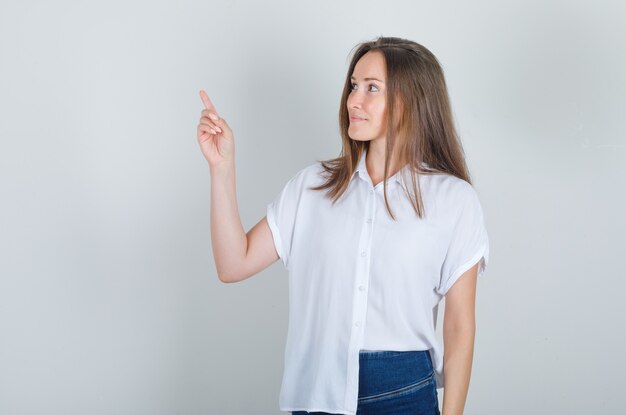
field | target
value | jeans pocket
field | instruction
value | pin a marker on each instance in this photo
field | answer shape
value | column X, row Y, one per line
column 395, row 393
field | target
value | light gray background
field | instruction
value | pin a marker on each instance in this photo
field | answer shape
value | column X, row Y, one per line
column 109, row 298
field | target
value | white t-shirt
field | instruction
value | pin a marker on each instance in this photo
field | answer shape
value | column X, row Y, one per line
column 360, row 281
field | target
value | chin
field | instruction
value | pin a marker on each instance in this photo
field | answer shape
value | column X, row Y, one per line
column 359, row 138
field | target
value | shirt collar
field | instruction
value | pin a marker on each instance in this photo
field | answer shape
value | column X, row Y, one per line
column 361, row 169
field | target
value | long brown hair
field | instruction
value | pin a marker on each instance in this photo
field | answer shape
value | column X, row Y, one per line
column 423, row 130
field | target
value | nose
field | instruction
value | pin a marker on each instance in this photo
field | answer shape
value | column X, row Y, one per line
column 354, row 100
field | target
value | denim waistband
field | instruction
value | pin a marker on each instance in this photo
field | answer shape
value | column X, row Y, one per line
column 379, row 354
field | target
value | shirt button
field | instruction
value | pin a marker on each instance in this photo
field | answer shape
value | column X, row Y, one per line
column 361, row 288
column 363, row 253
column 369, row 220
column 358, row 323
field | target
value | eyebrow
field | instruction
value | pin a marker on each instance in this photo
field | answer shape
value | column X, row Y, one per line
column 369, row 79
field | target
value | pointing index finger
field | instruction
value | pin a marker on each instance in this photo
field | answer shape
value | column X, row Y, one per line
column 207, row 101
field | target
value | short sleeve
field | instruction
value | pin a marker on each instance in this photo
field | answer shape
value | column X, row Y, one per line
column 281, row 217
column 469, row 243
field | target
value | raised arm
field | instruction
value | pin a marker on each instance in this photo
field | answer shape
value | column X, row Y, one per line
column 237, row 254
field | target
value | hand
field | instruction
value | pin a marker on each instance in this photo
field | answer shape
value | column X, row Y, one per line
column 214, row 135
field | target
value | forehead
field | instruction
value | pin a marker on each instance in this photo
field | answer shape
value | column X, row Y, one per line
column 372, row 64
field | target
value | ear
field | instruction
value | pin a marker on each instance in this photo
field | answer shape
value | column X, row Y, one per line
column 398, row 109
column 399, row 120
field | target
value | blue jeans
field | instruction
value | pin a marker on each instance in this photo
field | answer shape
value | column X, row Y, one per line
column 395, row 383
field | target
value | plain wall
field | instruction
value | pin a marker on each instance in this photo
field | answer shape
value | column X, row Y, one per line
column 109, row 298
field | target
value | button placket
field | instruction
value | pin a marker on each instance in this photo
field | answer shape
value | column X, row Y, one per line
column 367, row 241
column 360, row 295
column 364, row 253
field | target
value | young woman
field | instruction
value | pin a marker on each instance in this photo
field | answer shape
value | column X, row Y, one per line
column 373, row 240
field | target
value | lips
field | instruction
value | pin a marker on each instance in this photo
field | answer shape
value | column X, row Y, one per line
column 357, row 119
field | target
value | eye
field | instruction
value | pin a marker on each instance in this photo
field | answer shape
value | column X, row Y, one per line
column 353, row 84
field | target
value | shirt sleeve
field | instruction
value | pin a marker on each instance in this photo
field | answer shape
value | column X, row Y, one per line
column 469, row 243
column 281, row 217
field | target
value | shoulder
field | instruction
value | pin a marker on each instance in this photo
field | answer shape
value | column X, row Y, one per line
column 309, row 174
column 451, row 188
column 302, row 178
column 453, row 196
column 313, row 169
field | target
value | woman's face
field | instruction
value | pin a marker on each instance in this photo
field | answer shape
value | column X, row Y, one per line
column 367, row 99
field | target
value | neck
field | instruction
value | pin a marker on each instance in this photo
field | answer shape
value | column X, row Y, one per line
column 375, row 161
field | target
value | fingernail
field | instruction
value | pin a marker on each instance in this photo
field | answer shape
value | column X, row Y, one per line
column 213, row 116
